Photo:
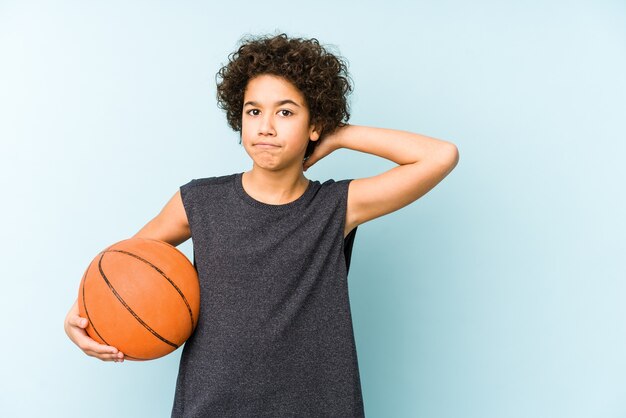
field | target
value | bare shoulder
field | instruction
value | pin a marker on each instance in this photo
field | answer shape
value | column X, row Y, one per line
column 372, row 197
column 170, row 224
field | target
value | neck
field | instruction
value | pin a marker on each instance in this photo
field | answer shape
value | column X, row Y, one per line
column 274, row 187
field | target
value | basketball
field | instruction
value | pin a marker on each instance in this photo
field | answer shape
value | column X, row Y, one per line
column 141, row 296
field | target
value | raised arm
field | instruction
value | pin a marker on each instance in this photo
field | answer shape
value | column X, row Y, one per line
column 423, row 163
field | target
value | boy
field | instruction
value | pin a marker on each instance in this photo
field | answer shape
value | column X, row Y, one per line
column 272, row 248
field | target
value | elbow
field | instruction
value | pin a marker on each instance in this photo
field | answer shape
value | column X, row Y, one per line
column 454, row 155
column 448, row 154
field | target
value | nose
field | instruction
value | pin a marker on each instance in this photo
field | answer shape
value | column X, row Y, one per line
column 266, row 126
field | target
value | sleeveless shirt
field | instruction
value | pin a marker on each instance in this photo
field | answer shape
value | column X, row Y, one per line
column 275, row 336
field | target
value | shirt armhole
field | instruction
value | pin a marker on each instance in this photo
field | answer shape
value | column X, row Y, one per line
column 184, row 196
column 348, row 241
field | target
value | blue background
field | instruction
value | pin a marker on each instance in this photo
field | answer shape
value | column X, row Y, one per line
column 500, row 293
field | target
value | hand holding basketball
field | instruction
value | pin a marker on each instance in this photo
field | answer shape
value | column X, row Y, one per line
column 140, row 295
column 75, row 329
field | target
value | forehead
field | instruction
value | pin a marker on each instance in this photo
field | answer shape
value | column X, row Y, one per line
column 267, row 89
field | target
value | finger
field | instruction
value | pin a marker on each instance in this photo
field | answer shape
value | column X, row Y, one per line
column 118, row 357
column 97, row 348
column 78, row 321
column 88, row 344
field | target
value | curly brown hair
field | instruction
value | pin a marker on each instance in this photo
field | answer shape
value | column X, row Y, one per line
column 321, row 76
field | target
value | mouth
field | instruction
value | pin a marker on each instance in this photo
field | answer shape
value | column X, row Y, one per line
column 265, row 145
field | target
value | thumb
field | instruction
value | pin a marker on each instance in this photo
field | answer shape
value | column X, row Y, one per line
column 80, row 321
column 311, row 159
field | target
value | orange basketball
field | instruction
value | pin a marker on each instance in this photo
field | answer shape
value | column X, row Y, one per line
column 141, row 296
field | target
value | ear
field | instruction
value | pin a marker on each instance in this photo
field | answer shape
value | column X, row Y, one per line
column 314, row 133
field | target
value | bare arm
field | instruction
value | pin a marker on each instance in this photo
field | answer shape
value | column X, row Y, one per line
column 171, row 226
column 423, row 163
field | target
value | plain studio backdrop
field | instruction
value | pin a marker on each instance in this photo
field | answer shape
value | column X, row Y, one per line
column 499, row 294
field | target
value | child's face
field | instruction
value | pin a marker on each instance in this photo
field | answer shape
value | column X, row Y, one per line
column 285, row 126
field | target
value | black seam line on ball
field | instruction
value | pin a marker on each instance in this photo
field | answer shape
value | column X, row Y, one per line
column 126, row 356
column 85, row 305
column 182, row 295
column 117, row 295
column 91, row 322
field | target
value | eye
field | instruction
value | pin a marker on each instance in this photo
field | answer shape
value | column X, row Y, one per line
column 289, row 112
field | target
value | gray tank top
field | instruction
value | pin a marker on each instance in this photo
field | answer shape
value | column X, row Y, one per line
column 274, row 337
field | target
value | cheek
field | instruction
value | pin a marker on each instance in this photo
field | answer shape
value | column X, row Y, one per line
column 246, row 128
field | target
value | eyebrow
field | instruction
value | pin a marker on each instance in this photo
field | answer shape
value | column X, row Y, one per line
column 278, row 103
